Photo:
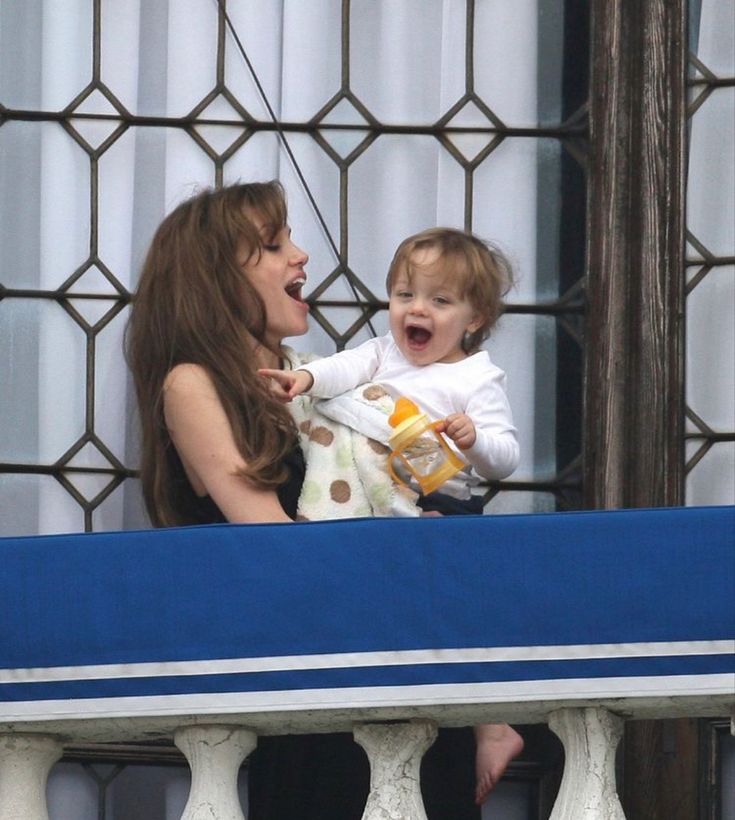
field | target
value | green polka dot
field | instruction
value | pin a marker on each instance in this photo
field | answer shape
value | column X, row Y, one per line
column 343, row 457
column 380, row 494
column 311, row 492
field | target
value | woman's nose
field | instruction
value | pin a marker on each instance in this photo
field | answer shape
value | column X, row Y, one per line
column 298, row 257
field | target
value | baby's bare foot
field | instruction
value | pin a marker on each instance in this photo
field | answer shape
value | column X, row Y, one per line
column 497, row 745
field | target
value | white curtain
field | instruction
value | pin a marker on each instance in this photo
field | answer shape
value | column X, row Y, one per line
column 159, row 60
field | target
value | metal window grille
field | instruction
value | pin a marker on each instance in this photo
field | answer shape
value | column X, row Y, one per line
column 93, row 307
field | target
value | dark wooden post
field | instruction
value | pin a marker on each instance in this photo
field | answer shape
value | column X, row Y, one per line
column 634, row 385
column 634, row 375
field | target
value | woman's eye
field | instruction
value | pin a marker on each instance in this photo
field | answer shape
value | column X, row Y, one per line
column 272, row 248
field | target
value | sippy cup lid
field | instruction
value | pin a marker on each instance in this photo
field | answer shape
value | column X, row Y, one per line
column 404, row 409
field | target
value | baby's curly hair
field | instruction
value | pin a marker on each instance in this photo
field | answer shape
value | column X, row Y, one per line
column 478, row 270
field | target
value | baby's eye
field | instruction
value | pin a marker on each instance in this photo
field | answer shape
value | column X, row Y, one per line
column 404, row 294
column 442, row 300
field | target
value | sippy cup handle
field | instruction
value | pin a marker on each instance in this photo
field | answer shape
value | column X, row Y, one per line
column 391, row 458
column 393, row 474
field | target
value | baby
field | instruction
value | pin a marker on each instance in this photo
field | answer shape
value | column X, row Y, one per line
column 445, row 294
column 446, row 288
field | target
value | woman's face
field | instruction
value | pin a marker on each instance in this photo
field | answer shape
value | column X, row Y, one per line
column 278, row 276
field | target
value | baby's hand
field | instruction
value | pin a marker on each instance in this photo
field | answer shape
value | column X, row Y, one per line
column 460, row 429
column 287, row 384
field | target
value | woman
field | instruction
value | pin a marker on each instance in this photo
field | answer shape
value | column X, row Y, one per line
column 221, row 287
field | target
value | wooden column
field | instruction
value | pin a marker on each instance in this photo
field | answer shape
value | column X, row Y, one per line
column 660, row 766
column 634, row 379
column 635, row 332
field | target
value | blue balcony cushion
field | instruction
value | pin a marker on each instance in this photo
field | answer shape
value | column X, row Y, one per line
column 360, row 612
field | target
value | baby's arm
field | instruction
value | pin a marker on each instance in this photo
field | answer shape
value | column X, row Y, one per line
column 287, row 384
column 330, row 376
column 494, row 453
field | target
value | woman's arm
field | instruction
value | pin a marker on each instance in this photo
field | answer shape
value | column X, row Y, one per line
column 202, row 435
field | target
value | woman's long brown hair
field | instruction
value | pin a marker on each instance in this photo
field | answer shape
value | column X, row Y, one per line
column 194, row 304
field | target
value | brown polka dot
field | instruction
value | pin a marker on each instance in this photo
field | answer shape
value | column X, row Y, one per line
column 305, row 426
column 377, row 447
column 321, row 436
column 340, row 491
column 373, row 392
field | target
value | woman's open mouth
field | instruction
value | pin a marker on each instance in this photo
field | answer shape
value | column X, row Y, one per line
column 294, row 290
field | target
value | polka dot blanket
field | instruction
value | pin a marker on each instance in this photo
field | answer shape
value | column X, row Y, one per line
column 344, row 444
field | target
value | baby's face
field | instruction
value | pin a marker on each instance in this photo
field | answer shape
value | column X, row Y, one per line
column 428, row 316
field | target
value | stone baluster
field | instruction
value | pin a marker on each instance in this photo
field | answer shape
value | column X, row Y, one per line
column 25, row 763
column 590, row 737
column 395, row 751
column 215, row 754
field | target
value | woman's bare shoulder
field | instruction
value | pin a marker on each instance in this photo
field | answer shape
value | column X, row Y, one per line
column 191, row 406
column 187, row 377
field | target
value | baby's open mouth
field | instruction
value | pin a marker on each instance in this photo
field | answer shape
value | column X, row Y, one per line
column 417, row 336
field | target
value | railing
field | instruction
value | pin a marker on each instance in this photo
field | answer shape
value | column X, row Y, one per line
column 212, row 636
column 215, row 752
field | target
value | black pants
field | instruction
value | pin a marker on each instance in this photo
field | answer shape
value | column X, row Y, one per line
column 327, row 777
column 448, row 505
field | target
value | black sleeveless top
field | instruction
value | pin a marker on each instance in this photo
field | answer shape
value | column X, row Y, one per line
column 203, row 510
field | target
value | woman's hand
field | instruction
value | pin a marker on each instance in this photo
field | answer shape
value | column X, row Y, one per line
column 287, row 384
column 460, row 428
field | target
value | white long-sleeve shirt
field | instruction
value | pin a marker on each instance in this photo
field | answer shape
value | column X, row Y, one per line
column 474, row 386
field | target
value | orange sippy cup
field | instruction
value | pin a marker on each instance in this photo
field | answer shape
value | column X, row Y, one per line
column 420, row 447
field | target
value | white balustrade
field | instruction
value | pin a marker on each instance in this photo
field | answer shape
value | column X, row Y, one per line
column 590, row 737
column 25, row 762
column 395, row 752
column 215, row 754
